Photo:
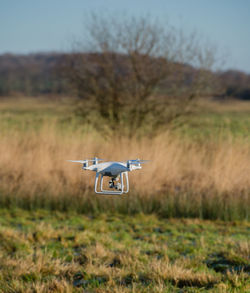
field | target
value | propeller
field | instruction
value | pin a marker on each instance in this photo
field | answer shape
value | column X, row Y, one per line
column 79, row 161
column 95, row 159
column 138, row 161
column 85, row 161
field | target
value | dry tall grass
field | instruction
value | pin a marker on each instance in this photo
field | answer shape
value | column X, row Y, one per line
column 183, row 178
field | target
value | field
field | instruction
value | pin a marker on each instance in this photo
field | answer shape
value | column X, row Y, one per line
column 199, row 169
column 67, row 252
column 184, row 226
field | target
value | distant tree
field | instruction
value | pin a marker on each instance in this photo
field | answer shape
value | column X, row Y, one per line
column 135, row 74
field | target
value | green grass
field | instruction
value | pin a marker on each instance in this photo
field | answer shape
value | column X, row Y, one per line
column 186, row 204
column 210, row 120
column 30, row 114
column 211, row 125
column 65, row 252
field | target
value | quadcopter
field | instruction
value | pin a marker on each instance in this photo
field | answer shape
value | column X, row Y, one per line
column 114, row 170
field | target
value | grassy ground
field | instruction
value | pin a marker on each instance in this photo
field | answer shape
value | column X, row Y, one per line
column 110, row 246
column 199, row 169
column 65, row 252
column 210, row 120
column 213, row 120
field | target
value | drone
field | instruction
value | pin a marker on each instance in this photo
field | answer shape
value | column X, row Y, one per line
column 114, row 170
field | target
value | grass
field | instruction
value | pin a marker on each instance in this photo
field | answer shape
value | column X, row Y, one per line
column 211, row 120
column 66, row 252
column 187, row 177
column 214, row 120
column 183, row 179
column 65, row 238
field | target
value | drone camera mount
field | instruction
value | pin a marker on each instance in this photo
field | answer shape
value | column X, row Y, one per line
column 113, row 184
column 85, row 165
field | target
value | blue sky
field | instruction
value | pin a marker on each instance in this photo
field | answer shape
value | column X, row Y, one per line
column 50, row 25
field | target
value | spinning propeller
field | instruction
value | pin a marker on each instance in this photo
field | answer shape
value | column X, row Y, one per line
column 86, row 161
column 138, row 161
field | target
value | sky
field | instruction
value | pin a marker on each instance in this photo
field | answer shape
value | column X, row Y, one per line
column 30, row 26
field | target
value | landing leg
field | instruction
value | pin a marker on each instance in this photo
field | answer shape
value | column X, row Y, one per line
column 127, row 183
column 101, row 182
column 96, row 182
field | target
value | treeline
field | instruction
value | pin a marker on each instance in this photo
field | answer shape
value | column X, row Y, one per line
column 31, row 75
column 235, row 84
column 43, row 74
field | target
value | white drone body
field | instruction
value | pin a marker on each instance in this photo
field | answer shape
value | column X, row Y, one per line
column 114, row 170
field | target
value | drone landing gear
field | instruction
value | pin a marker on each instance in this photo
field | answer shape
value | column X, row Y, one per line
column 113, row 183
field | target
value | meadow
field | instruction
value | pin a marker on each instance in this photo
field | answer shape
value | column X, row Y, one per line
column 43, row 251
column 183, row 227
column 199, row 168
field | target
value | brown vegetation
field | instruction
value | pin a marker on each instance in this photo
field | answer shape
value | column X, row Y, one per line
column 183, row 175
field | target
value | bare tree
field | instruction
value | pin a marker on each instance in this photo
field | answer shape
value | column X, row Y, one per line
column 135, row 74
